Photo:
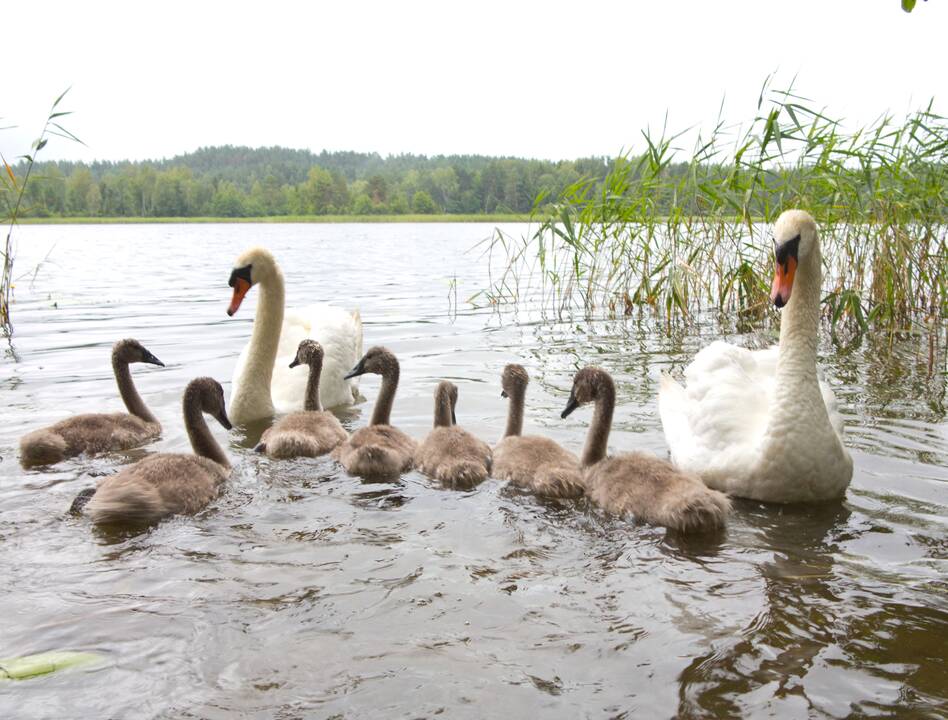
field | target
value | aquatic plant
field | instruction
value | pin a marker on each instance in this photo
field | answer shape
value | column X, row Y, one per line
column 682, row 236
column 13, row 192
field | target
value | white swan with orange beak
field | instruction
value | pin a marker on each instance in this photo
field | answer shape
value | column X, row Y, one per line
column 762, row 424
column 263, row 383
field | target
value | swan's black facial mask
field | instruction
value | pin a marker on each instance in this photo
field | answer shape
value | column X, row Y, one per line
column 241, row 274
column 786, row 250
column 241, row 282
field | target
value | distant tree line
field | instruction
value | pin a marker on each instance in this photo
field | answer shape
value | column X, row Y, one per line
column 255, row 182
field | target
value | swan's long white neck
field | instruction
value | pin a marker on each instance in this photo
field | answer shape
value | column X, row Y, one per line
column 797, row 382
column 253, row 388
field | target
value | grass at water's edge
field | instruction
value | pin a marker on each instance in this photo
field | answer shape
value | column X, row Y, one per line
column 498, row 217
column 678, row 235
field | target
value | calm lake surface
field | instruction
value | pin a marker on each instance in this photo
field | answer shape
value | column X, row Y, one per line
column 303, row 592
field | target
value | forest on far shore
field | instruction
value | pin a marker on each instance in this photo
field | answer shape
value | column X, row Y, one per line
column 232, row 181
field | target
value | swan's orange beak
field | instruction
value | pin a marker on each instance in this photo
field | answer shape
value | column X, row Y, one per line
column 241, row 287
column 783, row 282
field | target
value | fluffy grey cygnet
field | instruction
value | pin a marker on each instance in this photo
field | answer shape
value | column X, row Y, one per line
column 532, row 462
column 450, row 453
column 94, row 433
column 636, row 483
column 311, row 432
column 168, row 483
column 379, row 451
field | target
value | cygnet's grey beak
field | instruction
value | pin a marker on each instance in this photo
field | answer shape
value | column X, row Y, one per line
column 147, row 357
column 296, row 361
column 223, row 420
column 503, row 393
column 571, row 405
column 357, row 370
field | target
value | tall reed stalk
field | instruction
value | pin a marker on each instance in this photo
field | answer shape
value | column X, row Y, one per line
column 13, row 193
column 679, row 235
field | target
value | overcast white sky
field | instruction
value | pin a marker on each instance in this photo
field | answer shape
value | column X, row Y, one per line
column 536, row 79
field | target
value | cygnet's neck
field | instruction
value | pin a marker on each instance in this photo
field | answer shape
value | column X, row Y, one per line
column 133, row 401
column 382, row 413
column 311, row 402
column 442, row 412
column 515, row 412
column 597, row 438
column 202, row 442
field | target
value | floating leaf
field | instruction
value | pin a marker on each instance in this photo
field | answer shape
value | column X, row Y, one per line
column 29, row 666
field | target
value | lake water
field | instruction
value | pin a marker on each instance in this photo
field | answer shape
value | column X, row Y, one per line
column 303, row 592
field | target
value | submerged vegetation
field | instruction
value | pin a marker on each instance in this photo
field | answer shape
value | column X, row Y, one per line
column 679, row 243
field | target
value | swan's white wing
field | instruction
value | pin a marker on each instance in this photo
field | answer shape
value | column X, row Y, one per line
column 340, row 334
column 673, row 410
column 341, row 338
column 288, row 385
column 718, row 420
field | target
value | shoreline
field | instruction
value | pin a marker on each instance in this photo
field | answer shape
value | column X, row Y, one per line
column 276, row 219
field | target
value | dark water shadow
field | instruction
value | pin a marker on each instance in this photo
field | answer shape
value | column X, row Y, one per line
column 381, row 495
column 118, row 533
column 695, row 546
column 247, row 435
column 799, row 618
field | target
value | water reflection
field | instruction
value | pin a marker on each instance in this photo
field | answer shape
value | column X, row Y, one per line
column 798, row 618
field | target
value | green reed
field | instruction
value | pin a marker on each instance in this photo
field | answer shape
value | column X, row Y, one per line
column 681, row 234
column 13, row 191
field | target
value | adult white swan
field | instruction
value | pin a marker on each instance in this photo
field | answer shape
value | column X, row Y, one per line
column 263, row 381
column 761, row 424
